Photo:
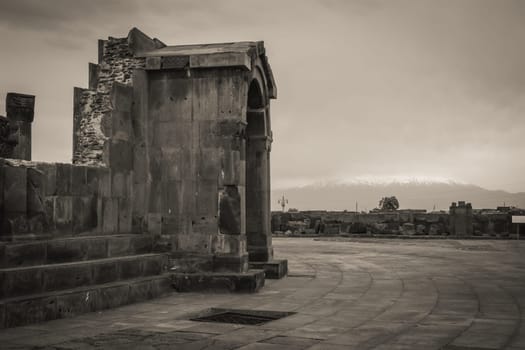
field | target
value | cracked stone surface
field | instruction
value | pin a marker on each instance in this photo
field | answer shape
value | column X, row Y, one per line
column 348, row 294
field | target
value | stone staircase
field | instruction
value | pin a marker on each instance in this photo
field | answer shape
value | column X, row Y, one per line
column 64, row 277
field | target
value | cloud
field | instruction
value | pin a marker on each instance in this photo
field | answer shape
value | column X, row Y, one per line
column 433, row 88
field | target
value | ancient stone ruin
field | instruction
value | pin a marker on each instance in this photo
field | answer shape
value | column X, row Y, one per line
column 460, row 221
column 169, row 186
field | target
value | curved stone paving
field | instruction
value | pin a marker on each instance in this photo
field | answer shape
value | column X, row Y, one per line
column 347, row 294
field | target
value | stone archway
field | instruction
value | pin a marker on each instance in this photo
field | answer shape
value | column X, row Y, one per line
column 258, row 140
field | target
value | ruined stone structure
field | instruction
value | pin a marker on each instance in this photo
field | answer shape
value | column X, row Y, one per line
column 15, row 130
column 171, row 172
column 461, row 219
column 466, row 222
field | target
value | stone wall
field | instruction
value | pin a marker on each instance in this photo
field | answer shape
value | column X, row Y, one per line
column 167, row 129
column 42, row 200
column 93, row 106
column 402, row 222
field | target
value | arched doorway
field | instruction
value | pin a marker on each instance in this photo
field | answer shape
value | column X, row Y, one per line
column 258, row 234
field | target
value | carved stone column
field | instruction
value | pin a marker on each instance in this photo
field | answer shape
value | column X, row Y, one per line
column 258, row 231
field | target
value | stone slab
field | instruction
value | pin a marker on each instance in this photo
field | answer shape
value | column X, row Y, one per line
column 249, row 282
column 46, row 278
column 73, row 302
column 274, row 269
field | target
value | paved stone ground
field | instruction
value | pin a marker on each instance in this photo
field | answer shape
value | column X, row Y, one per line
column 348, row 294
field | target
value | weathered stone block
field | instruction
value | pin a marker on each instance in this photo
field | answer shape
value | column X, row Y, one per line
column 140, row 163
column 66, row 277
column 176, row 224
column 33, row 310
column 92, row 180
column 209, row 163
column 156, row 196
column 142, row 244
column 2, row 166
column 205, row 95
column 63, row 213
column 249, row 282
column 153, row 62
column 260, row 253
column 230, row 263
column 233, row 244
column 175, row 163
column 109, row 215
column 37, row 224
column 207, row 198
column 194, row 242
column 3, row 285
column 121, row 185
column 84, row 214
column 121, row 97
column 15, row 190
column 2, row 315
column 119, row 246
column 79, row 181
column 233, row 168
column 160, row 286
column 111, row 297
column 138, row 224
column 154, row 223
column 153, row 265
column 2, row 254
column 130, row 268
column 35, row 191
column 208, row 134
column 105, row 273
column 173, row 133
column 23, row 282
column 72, row 304
column 94, row 70
column 121, row 126
column 205, row 224
column 120, row 156
column 140, row 291
column 20, row 107
column 60, row 251
column 104, row 182
column 25, row 254
column 63, row 179
column 230, row 210
column 170, row 99
column 221, row 59
column 274, row 269
column 124, row 219
column 97, row 248
column 173, row 203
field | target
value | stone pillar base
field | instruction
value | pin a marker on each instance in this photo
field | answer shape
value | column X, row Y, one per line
column 247, row 282
column 230, row 263
column 260, row 254
column 274, row 269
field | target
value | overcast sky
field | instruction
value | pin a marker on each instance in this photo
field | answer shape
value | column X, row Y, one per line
column 367, row 89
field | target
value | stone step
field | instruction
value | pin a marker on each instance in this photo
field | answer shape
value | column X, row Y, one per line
column 273, row 269
column 244, row 282
column 19, row 281
column 35, row 308
column 81, row 248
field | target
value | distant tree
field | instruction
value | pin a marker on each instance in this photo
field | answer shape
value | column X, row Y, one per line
column 389, row 203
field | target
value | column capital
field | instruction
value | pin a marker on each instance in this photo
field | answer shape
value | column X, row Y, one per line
column 20, row 107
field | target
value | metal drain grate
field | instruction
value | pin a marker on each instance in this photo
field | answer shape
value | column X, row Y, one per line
column 245, row 317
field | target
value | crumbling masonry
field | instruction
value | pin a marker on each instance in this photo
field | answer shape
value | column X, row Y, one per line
column 169, row 186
